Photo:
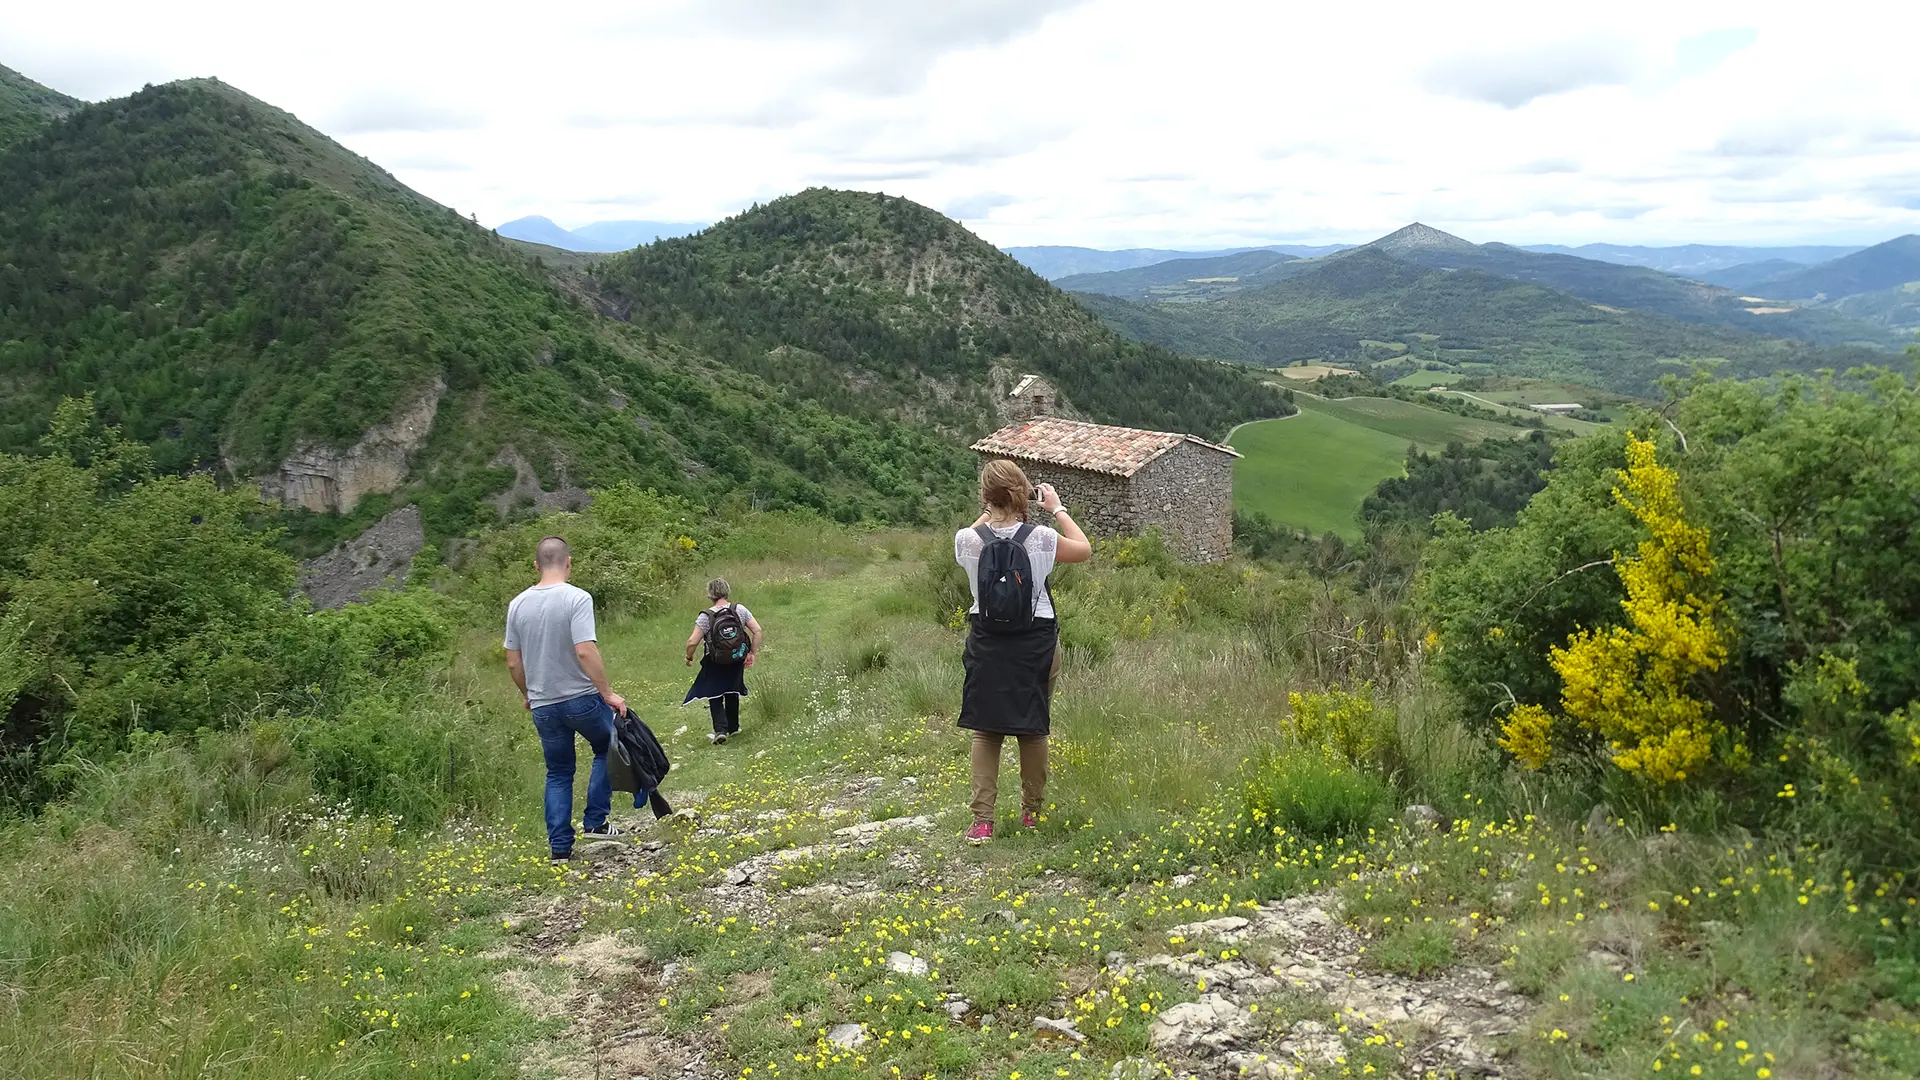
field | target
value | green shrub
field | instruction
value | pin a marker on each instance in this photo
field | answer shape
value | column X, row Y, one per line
column 1344, row 723
column 384, row 754
column 629, row 549
column 863, row 657
column 1312, row 794
column 1414, row 949
column 1086, row 638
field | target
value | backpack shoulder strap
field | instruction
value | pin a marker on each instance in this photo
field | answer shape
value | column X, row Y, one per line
column 1020, row 535
column 986, row 534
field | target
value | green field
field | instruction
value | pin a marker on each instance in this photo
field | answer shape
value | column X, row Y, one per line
column 1313, row 470
column 1426, row 377
column 1408, row 421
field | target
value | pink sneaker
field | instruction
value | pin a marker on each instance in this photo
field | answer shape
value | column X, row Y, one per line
column 1027, row 821
column 981, row 832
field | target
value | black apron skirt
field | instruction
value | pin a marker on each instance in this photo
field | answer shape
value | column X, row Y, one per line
column 1007, row 691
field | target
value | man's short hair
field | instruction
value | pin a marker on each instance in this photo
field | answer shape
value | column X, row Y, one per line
column 552, row 554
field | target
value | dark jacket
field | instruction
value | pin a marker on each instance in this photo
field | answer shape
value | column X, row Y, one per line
column 636, row 762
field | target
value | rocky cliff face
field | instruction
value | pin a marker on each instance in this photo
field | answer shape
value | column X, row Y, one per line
column 324, row 478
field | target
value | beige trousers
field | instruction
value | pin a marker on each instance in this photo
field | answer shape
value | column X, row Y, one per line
column 986, row 773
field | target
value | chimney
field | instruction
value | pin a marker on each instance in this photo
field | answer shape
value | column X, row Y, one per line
column 1033, row 397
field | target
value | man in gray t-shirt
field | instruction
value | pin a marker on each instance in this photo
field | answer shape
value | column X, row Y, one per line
column 555, row 661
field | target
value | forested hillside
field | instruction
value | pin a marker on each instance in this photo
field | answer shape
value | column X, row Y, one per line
column 850, row 296
column 241, row 292
column 26, row 106
column 236, row 287
column 1882, row 266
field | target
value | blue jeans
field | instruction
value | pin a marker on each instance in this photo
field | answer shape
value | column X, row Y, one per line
column 591, row 718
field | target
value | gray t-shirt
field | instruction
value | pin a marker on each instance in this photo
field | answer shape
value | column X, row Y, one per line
column 543, row 625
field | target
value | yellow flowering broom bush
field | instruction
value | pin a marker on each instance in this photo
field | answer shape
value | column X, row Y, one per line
column 1631, row 684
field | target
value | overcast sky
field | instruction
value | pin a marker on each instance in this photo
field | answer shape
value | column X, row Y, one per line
column 1107, row 123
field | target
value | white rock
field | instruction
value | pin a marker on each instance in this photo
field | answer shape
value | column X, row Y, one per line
column 1310, row 1041
column 875, row 828
column 905, row 964
column 737, row 877
column 1063, row 1028
column 1222, row 928
column 846, row 1036
column 1211, row 1023
column 1181, row 881
column 1249, row 1064
column 1422, row 816
column 959, row 1009
column 682, row 731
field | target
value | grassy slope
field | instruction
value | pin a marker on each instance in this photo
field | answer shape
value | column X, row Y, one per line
column 1409, row 421
column 1426, row 377
column 1312, row 471
column 339, row 947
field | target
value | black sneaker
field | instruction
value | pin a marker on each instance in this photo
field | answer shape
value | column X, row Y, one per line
column 718, row 738
column 609, row 831
column 561, row 857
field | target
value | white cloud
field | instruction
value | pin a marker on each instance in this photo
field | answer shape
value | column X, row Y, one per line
column 1513, row 77
column 1104, row 122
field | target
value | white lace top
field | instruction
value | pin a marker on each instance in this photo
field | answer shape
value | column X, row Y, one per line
column 1042, row 544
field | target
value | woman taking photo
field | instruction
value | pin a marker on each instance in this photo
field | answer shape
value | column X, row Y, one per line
column 1013, row 649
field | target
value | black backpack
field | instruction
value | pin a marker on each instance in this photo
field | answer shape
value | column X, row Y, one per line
column 1005, row 584
column 727, row 640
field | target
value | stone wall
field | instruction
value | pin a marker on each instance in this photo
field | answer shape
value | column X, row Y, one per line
column 1188, row 492
column 1101, row 504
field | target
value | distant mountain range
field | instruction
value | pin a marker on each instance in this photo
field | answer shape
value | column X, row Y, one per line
column 1423, row 298
column 1055, row 262
column 601, row 236
column 1687, row 260
column 1697, row 260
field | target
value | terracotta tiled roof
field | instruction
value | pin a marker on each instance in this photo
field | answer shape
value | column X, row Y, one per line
column 1116, row 451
